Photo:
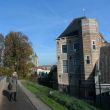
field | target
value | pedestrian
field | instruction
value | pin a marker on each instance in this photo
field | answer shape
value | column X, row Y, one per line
column 12, row 86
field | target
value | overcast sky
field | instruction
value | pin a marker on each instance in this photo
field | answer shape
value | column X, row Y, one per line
column 44, row 20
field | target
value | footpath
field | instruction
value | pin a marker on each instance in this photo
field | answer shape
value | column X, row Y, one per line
column 25, row 99
column 39, row 105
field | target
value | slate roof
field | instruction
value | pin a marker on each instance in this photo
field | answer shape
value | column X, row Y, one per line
column 103, row 37
column 70, row 31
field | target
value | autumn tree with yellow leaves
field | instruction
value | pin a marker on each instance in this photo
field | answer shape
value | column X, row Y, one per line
column 16, row 53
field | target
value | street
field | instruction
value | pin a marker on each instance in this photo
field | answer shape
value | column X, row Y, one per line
column 22, row 102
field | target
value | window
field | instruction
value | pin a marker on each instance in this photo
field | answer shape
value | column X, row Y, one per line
column 93, row 45
column 70, row 48
column 57, row 42
column 76, row 47
column 65, row 66
column 58, row 58
column 64, row 48
column 74, row 66
column 88, row 60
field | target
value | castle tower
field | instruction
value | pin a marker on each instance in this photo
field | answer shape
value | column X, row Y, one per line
column 78, row 49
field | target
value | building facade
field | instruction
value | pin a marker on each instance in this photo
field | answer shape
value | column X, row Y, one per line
column 102, row 77
column 78, row 49
column 41, row 69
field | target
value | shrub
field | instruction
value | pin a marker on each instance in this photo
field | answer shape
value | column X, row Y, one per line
column 70, row 102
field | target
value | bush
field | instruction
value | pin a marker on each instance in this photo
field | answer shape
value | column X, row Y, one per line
column 61, row 101
column 70, row 102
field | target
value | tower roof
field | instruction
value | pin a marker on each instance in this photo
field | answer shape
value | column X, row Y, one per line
column 72, row 29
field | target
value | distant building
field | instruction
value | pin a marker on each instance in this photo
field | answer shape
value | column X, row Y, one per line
column 41, row 70
column 78, row 51
column 33, row 59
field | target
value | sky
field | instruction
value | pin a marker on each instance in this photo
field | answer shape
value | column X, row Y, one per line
column 44, row 20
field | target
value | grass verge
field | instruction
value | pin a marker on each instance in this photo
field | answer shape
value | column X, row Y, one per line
column 42, row 93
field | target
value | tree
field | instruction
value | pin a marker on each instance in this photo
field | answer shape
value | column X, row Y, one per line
column 17, row 52
column 1, row 49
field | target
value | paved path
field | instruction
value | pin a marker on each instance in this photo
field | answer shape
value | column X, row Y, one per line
column 23, row 103
column 25, row 99
column 35, row 101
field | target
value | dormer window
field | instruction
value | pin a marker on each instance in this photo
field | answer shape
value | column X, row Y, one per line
column 65, row 66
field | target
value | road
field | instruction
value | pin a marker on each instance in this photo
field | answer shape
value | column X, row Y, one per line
column 22, row 102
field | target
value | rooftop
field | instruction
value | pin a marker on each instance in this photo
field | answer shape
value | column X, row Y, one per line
column 70, row 31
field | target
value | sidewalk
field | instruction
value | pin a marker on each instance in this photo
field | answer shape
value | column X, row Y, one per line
column 34, row 100
column 22, row 103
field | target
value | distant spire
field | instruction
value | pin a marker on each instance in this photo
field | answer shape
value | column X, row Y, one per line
column 84, row 10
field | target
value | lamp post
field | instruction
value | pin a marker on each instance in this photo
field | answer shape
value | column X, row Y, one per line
column 99, row 86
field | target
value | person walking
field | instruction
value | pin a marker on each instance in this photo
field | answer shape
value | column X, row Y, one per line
column 13, row 87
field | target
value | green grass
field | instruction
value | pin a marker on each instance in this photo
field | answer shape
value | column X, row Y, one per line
column 42, row 93
column 53, row 104
column 57, row 100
